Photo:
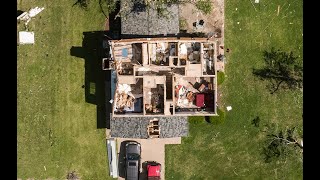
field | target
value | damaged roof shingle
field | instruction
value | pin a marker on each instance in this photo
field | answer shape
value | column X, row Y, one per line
column 136, row 127
column 140, row 20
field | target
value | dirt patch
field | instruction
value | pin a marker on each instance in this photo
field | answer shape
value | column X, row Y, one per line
column 213, row 22
column 219, row 99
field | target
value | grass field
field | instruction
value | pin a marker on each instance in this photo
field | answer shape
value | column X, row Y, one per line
column 233, row 150
column 57, row 128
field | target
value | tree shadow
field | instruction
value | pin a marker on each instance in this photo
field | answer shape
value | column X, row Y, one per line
column 281, row 70
column 139, row 6
column 179, row 35
column 82, row 4
column 264, row 74
column 100, row 4
column 256, row 121
column 111, row 4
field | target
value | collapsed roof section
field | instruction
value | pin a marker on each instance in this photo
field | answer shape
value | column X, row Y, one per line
column 145, row 127
column 164, row 77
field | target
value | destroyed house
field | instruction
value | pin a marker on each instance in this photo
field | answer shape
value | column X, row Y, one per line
column 157, row 77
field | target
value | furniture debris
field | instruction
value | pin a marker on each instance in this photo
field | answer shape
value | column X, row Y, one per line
column 112, row 157
column 202, row 87
column 153, row 128
column 26, row 16
column 26, row 37
column 200, row 100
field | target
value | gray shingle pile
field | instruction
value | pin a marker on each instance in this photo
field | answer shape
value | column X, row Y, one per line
column 136, row 127
column 129, row 127
column 148, row 22
column 173, row 127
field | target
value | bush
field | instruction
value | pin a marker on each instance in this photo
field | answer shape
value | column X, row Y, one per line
column 217, row 119
column 204, row 5
column 220, row 77
column 183, row 24
column 196, row 120
column 82, row 3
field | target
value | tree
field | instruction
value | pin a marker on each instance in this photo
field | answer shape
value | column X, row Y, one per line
column 281, row 70
column 159, row 5
column 256, row 121
column 72, row 176
column 204, row 5
column 280, row 144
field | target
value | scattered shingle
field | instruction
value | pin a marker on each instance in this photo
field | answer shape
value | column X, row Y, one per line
column 146, row 21
column 136, row 127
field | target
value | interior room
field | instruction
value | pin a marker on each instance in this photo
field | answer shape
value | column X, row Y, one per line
column 137, row 53
column 180, row 71
column 125, row 68
column 183, row 54
column 154, row 102
column 208, row 61
column 194, row 94
column 129, row 98
column 159, row 53
column 168, row 81
column 173, row 49
column 193, row 52
column 123, row 52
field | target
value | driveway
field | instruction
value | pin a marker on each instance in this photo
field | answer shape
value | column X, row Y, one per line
column 151, row 150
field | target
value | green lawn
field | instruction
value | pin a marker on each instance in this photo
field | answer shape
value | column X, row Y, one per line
column 57, row 128
column 233, row 149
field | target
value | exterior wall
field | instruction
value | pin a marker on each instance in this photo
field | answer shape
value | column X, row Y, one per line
column 144, row 42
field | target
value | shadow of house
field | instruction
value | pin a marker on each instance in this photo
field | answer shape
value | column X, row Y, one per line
column 19, row 12
column 97, row 83
column 114, row 30
column 96, row 80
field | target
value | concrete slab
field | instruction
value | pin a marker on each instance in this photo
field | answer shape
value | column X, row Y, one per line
column 151, row 150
